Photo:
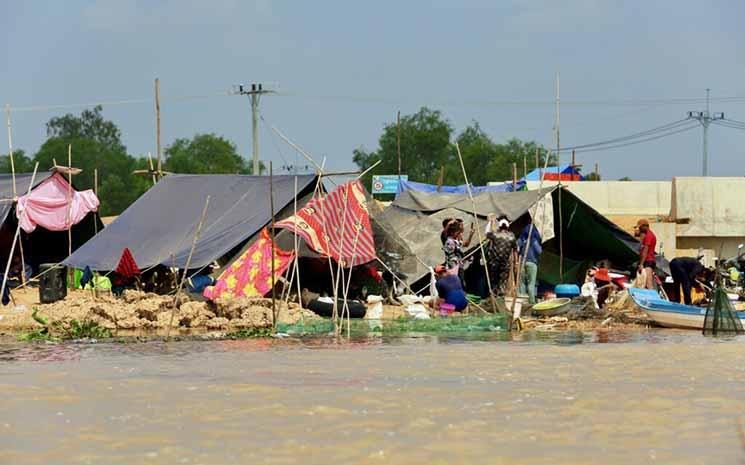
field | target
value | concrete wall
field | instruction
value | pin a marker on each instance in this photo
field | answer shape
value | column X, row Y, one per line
column 727, row 245
column 709, row 207
column 640, row 198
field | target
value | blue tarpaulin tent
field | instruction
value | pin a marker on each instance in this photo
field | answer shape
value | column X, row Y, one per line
column 462, row 189
column 565, row 169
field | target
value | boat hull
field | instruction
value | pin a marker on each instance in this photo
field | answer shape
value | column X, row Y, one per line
column 670, row 314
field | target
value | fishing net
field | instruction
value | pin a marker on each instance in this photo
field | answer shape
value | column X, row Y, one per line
column 721, row 316
column 401, row 326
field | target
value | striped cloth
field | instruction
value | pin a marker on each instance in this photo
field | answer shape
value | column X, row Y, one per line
column 325, row 228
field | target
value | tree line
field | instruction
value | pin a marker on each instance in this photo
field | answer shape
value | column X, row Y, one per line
column 427, row 142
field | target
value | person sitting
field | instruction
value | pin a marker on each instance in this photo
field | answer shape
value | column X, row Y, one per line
column 450, row 289
column 604, row 285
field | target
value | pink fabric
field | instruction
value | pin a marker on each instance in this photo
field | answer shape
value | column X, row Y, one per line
column 47, row 206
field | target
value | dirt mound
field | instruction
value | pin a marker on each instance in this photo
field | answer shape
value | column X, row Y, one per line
column 140, row 310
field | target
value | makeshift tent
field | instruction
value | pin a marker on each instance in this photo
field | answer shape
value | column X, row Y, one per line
column 586, row 234
column 159, row 227
column 46, row 208
column 53, row 206
column 336, row 225
column 565, row 172
column 461, row 189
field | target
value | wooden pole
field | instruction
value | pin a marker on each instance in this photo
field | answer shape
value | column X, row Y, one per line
column 538, row 164
column 10, row 148
column 597, row 172
column 525, row 166
column 157, row 124
column 152, row 168
column 478, row 229
column 574, row 161
column 514, row 176
column 398, row 144
column 271, row 208
column 15, row 238
column 95, row 191
column 441, row 178
column 188, row 264
column 70, row 273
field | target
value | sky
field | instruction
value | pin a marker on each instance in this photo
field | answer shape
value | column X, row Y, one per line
column 342, row 69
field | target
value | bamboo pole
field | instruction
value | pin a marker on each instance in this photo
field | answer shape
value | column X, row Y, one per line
column 15, row 239
column 521, row 264
column 152, row 168
column 157, row 124
column 271, row 208
column 95, row 191
column 398, row 145
column 188, row 263
column 525, row 166
column 10, row 148
column 514, row 176
column 70, row 272
column 478, row 229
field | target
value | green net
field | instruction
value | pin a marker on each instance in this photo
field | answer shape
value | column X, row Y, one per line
column 721, row 317
column 401, row 326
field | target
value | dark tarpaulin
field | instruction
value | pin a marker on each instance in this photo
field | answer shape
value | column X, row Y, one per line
column 587, row 235
column 159, row 227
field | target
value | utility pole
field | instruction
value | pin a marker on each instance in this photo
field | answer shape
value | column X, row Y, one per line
column 705, row 118
column 254, row 94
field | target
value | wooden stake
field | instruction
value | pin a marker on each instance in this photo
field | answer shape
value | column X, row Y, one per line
column 574, row 161
column 10, row 149
column 525, row 166
column 478, row 229
column 597, row 172
column 271, row 207
column 95, row 191
column 538, row 164
column 441, row 179
column 15, row 239
column 152, row 169
column 514, row 176
column 188, row 264
column 69, row 212
column 157, row 124
column 398, row 144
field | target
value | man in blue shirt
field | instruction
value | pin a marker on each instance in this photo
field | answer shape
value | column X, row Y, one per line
column 530, row 269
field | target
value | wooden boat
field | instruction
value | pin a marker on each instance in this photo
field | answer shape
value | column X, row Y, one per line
column 671, row 314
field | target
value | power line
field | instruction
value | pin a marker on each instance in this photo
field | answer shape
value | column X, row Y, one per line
column 634, row 142
column 629, row 137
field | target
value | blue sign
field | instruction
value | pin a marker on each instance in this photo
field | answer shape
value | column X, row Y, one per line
column 387, row 184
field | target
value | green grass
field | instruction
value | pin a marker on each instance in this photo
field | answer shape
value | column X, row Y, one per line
column 61, row 330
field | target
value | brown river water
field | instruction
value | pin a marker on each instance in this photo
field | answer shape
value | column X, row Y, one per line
column 566, row 398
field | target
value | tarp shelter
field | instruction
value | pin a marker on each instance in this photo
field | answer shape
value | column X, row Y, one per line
column 461, row 189
column 552, row 173
column 159, row 227
column 44, row 216
column 586, row 234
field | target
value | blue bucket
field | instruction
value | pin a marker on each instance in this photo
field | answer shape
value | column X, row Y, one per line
column 566, row 290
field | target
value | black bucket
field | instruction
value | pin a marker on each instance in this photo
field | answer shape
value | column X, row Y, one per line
column 52, row 282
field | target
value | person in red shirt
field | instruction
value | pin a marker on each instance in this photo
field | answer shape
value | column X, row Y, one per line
column 647, row 260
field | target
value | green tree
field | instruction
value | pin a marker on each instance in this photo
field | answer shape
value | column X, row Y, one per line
column 425, row 146
column 96, row 144
column 592, row 177
column 203, row 154
column 625, row 178
column 22, row 162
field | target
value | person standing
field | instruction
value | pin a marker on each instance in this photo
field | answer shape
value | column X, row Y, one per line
column 685, row 271
column 453, row 248
column 500, row 254
column 529, row 243
column 647, row 261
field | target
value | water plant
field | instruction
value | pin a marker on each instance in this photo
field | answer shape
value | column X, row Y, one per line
column 62, row 330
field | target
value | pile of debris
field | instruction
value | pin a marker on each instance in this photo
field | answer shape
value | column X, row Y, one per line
column 145, row 311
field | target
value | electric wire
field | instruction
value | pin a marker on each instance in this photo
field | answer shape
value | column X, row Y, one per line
column 632, row 142
column 630, row 137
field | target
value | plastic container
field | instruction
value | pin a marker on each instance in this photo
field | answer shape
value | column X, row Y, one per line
column 566, row 291
column 52, row 283
column 446, row 309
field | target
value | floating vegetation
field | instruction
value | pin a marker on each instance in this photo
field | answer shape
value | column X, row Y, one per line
column 250, row 333
column 64, row 330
